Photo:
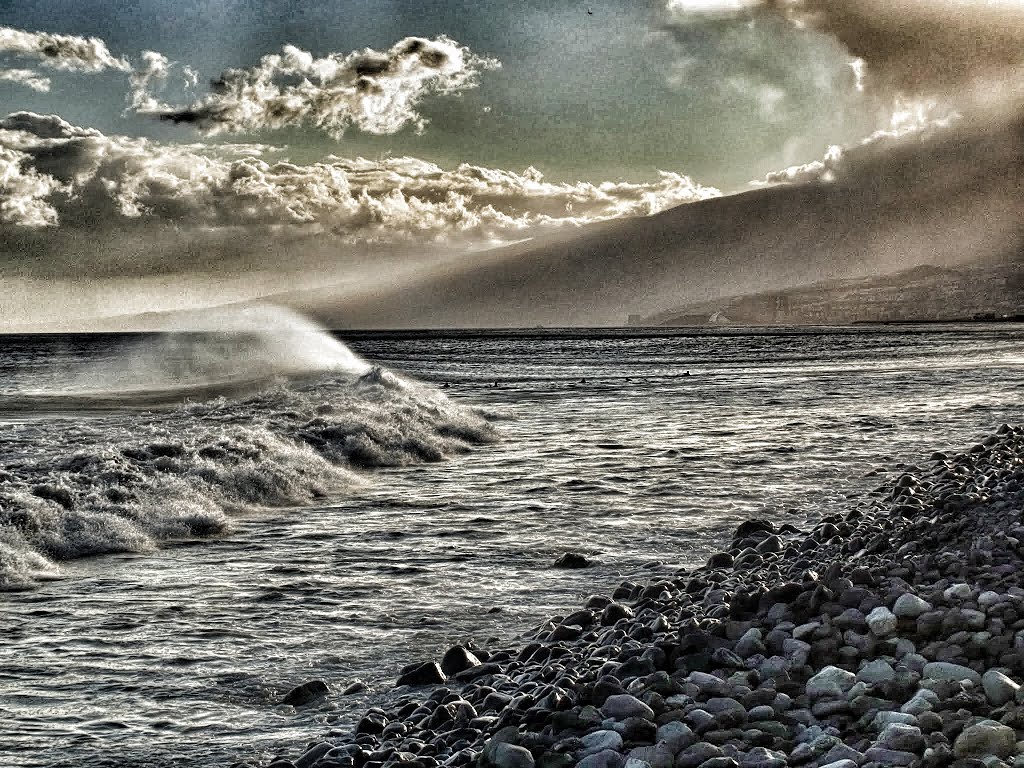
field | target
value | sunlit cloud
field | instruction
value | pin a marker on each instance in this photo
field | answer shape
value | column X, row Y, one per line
column 375, row 91
column 57, row 173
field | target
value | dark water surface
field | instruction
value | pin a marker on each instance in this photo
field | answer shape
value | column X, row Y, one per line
column 177, row 652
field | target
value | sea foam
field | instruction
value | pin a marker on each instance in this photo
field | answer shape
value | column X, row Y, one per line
column 74, row 485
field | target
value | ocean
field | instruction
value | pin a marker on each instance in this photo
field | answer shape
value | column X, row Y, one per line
column 192, row 524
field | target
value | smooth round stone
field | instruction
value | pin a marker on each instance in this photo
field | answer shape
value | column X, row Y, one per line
column 902, row 737
column 676, row 736
column 958, row 592
column 882, row 621
column 307, row 692
column 944, row 670
column 877, row 671
column 624, row 705
column 598, row 741
column 999, row 689
column 986, row 738
column 831, row 681
column 607, row 759
column 910, row 606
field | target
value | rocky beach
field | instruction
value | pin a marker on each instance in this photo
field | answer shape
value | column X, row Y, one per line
column 890, row 635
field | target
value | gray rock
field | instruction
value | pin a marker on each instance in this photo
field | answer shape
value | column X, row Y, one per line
column 986, row 738
column 658, row 756
column 877, row 671
column 831, row 681
column 598, row 741
column 958, row 592
column 306, row 693
column 752, row 642
column 457, row 659
column 999, row 688
column 885, row 718
column 623, row 705
column 698, row 754
column 905, row 738
column 607, row 759
column 511, row 756
column 676, row 736
column 313, row 754
column 841, row 764
column 910, row 606
column 843, row 752
column 882, row 621
column 944, row 670
column 427, row 673
column 709, row 684
column 890, row 756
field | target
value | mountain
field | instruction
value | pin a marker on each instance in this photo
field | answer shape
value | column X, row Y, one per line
column 920, row 294
column 952, row 200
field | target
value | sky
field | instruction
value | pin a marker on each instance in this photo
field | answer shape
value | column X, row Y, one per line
column 202, row 151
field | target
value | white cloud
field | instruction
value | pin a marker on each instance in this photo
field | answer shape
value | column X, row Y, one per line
column 25, row 193
column 681, row 9
column 66, row 52
column 377, row 92
column 27, row 77
column 63, row 174
column 911, row 121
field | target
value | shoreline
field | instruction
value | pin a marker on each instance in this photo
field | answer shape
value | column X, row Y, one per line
column 890, row 635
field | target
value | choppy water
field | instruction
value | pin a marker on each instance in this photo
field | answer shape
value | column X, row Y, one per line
column 288, row 531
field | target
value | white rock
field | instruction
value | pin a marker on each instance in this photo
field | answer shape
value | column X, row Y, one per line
column 882, row 621
column 910, row 606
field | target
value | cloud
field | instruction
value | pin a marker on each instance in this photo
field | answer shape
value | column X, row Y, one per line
column 691, row 10
column 921, row 45
column 911, row 123
column 377, row 92
column 60, row 175
column 24, row 192
column 27, row 77
column 909, row 46
column 63, row 52
column 748, row 62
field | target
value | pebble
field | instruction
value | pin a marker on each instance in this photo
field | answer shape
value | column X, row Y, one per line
column 910, row 606
column 986, row 738
column 999, row 688
column 943, row 670
column 622, row 706
column 881, row 621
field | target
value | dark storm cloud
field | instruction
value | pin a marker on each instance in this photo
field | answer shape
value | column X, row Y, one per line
column 66, row 52
column 378, row 92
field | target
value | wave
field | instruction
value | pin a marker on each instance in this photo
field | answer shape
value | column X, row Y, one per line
column 75, row 484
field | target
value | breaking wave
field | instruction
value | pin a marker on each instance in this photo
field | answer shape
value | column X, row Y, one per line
column 75, row 484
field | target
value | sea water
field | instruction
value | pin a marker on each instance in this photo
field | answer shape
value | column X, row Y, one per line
column 194, row 523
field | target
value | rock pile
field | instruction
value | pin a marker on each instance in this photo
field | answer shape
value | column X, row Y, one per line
column 892, row 635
